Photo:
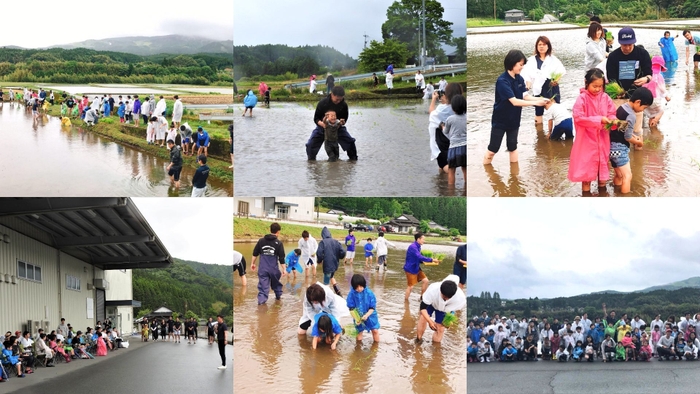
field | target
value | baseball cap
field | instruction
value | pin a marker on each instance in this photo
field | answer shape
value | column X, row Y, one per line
column 626, row 36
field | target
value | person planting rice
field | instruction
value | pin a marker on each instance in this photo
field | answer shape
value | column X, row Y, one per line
column 363, row 305
column 440, row 298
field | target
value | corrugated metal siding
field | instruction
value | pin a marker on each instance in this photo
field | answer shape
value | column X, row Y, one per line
column 27, row 300
column 74, row 302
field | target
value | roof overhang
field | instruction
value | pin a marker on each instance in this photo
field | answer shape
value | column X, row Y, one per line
column 108, row 233
column 286, row 204
column 134, row 303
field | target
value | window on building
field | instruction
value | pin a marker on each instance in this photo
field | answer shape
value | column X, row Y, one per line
column 72, row 283
column 28, row 271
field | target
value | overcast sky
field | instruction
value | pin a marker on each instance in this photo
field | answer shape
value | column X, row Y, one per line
column 338, row 24
column 555, row 247
column 192, row 229
column 60, row 22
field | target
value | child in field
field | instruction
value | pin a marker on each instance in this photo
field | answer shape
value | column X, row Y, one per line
column 250, row 101
column 472, row 351
column 562, row 354
column 577, row 354
column 172, row 133
column 620, row 139
column 362, row 299
column 657, row 86
column 121, row 111
column 326, row 329
column 668, row 47
column 332, row 125
column 291, row 261
column 267, row 99
column 590, row 154
column 559, row 121
column 645, row 353
column 455, row 128
column 368, row 252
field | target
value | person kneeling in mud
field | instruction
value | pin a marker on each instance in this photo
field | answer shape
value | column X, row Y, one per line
column 326, row 329
column 331, row 126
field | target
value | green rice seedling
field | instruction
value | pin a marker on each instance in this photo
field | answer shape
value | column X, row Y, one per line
column 449, row 320
column 614, row 90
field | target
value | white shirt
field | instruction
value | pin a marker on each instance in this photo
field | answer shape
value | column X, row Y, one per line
column 557, row 113
column 382, row 246
column 637, row 324
column 308, row 249
column 433, row 297
column 312, row 86
column 442, row 85
column 420, row 80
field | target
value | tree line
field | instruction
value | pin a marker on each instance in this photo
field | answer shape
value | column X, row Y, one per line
column 578, row 10
column 265, row 61
column 181, row 288
column 450, row 212
column 645, row 304
column 82, row 65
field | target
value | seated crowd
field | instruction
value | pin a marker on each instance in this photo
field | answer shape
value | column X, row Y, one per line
column 21, row 353
column 606, row 338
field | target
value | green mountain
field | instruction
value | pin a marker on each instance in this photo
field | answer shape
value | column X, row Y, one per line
column 693, row 282
column 182, row 288
column 279, row 60
column 144, row 46
column 218, row 271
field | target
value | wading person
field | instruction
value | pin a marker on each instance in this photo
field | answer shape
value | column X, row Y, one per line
column 439, row 299
column 199, row 180
column 330, row 252
column 239, row 264
column 308, row 246
column 412, row 266
column 629, row 65
column 511, row 96
column 333, row 102
column 692, row 39
column 186, row 139
column 541, row 74
column 221, row 339
column 271, row 253
column 440, row 109
column 320, row 298
column 350, row 243
column 382, row 248
column 175, row 166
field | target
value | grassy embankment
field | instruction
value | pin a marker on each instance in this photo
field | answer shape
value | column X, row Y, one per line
column 112, row 129
column 354, row 90
column 484, row 22
column 253, row 229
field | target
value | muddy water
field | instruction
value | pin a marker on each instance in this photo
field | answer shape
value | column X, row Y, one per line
column 392, row 144
column 669, row 165
column 44, row 159
column 269, row 353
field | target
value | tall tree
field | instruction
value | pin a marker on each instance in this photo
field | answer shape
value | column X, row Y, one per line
column 403, row 21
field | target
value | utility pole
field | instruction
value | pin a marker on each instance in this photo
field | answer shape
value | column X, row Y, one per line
column 366, row 37
column 494, row 9
column 422, row 55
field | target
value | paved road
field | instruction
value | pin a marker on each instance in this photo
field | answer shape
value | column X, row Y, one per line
column 152, row 367
column 554, row 378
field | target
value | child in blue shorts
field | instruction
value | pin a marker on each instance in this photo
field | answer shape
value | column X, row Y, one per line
column 369, row 247
column 621, row 138
column 292, row 262
column 364, row 302
column 326, row 328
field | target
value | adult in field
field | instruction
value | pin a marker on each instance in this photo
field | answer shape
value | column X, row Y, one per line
column 330, row 83
column 308, row 246
column 692, row 39
column 221, row 339
column 441, row 109
column 414, row 258
column 439, row 299
column 595, row 46
column 320, row 298
column 177, row 112
column 541, row 74
column 333, row 102
column 271, row 252
column 629, row 64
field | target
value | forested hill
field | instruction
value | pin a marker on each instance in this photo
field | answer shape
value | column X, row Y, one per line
column 89, row 66
column 449, row 212
column 303, row 61
column 218, row 271
column 172, row 44
column 646, row 304
column 181, row 285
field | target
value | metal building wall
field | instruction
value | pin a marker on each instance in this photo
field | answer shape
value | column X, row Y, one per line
column 27, row 300
column 74, row 303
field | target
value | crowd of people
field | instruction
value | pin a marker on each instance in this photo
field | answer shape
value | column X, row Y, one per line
column 169, row 330
column 603, row 131
column 324, row 305
column 22, row 352
column 607, row 338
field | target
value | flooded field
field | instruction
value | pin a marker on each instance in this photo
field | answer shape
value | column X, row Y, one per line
column 669, row 165
column 392, row 144
column 42, row 158
column 269, row 354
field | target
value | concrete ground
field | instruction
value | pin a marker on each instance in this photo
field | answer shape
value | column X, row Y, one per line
column 553, row 377
column 145, row 367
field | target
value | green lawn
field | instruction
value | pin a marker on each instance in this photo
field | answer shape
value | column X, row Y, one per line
column 484, row 22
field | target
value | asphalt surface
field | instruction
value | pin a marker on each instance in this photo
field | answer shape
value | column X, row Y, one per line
column 150, row 367
column 551, row 377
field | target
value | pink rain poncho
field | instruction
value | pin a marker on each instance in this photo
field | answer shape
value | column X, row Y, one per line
column 262, row 88
column 101, row 347
column 591, row 150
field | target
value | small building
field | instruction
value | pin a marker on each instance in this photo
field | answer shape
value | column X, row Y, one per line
column 335, row 212
column 72, row 258
column 435, row 226
column 515, row 16
column 281, row 208
column 405, row 224
column 161, row 312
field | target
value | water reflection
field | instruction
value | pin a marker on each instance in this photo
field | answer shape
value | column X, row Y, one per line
column 48, row 159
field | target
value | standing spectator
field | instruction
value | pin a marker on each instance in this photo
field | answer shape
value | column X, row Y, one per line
column 137, row 111
column 62, row 328
column 442, row 84
column 389, row 81
column 203, row 141
column 222, row 339
column 262, row 88
column 177, row 111
column 330, row 83
column 230, row 141
column 312, row 84
column 420, row 82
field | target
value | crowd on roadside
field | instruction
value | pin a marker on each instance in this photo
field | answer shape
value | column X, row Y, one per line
column 606, row 338
column 22, row 352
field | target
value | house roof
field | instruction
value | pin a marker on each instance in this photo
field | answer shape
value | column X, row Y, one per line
column 162, row 309
column 514, row 10
column 406, row 220
column 108, row 233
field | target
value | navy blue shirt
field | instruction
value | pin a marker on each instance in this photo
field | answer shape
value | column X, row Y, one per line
column 506, row 116
column 200, row 177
